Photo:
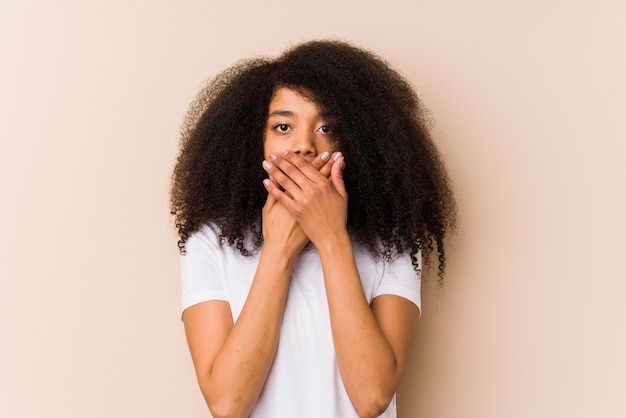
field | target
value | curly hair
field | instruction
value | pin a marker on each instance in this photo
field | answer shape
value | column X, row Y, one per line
column 400, row 196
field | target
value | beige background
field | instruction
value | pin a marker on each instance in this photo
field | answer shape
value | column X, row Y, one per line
column 528, row 100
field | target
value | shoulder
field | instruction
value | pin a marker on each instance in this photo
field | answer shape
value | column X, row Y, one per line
column 208, row 233
column 200, row 267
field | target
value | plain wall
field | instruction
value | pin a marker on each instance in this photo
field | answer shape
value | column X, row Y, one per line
column 527, row 101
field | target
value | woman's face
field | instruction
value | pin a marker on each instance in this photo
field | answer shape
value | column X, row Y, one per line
column 295, row 123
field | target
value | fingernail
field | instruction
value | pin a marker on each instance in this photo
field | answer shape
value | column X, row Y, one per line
column 266, row 182
column 285, row 152
column 336, row 157
column 272, row 156
column 267, row 165
column 324, row 156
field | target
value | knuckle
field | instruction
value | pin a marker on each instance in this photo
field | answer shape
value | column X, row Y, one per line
column 322, row 188
column 300, row 162
column 289, row 170
column 299, row 208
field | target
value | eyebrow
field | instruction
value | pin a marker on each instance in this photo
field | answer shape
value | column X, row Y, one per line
column 281, row 113
column 323, row 115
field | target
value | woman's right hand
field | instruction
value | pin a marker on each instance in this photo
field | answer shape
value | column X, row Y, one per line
column 280, row 229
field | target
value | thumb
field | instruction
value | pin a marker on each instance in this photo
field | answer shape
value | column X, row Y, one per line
column 270, row 201
column 336, row 175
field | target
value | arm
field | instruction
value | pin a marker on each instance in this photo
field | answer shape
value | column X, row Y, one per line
column 372, row 343
column 221, row 349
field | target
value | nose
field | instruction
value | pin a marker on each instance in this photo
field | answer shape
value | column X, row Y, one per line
column 304, row 144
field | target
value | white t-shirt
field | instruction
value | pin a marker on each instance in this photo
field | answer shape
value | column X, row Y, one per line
column 304, row 379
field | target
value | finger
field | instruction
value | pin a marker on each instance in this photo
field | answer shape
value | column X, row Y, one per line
column 270, row 201
column 273, row 181
column 336, row 175
column 275, row 195
column 325, row 169
column 297, row 167
column 279, row 179
column 321, row 161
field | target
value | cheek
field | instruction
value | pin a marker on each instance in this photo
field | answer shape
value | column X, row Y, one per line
column 268, row 146
column 330, row 146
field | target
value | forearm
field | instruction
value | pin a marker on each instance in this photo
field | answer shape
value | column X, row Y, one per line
column 239, row 370
column 365, row 358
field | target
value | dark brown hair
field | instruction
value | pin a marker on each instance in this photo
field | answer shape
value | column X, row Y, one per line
column 400, row 197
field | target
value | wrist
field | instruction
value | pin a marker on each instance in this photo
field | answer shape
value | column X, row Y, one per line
column 334, row 245
column 277, row 257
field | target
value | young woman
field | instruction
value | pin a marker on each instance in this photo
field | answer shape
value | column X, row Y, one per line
column 306, row 191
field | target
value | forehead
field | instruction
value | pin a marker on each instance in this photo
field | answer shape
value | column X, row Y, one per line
column 286, row 95
column 288, row 100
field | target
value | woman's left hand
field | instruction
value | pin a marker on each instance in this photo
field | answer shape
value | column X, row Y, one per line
column 319, row 204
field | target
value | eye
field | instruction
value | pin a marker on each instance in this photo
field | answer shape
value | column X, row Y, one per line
column 326, row 129
column 282, row 127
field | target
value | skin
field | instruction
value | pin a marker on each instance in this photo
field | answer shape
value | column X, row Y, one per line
column 307, row 201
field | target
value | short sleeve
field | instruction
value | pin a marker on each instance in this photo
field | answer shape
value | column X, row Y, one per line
column 200, row 268
column 401, row 279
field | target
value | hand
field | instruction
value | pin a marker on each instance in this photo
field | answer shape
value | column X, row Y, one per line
column 324, row 163
column 318, row 203
column 279, row 226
